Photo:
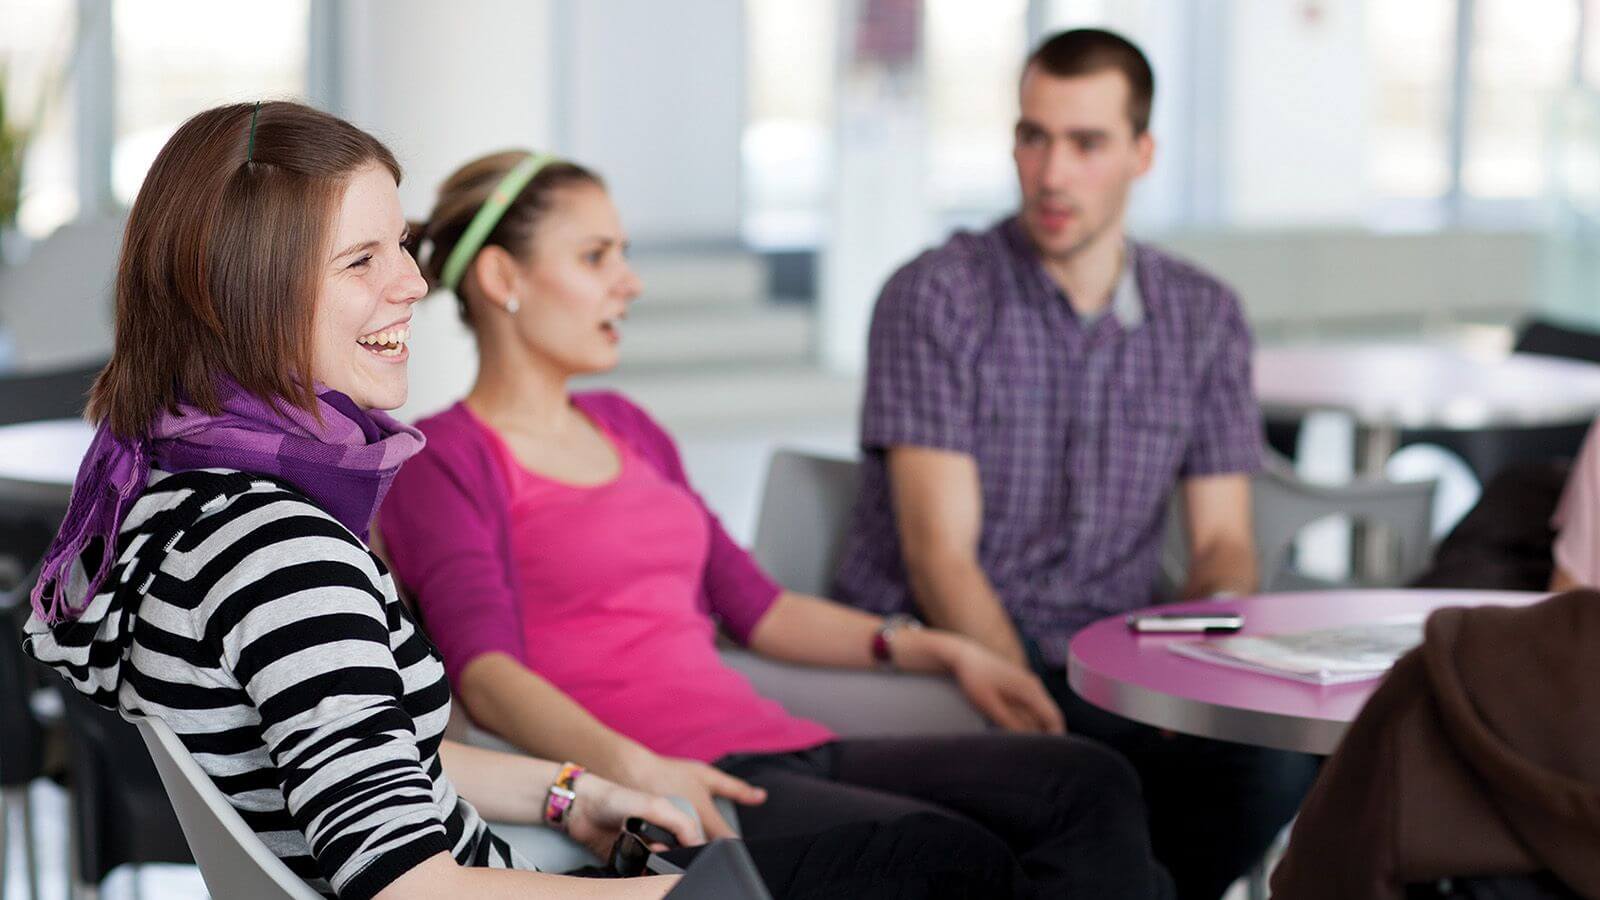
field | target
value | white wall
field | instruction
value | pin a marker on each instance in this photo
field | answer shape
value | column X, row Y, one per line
column 443, row 83
column 650, row 94
column 879, row 209
column 1295, row 143
column 653, row 98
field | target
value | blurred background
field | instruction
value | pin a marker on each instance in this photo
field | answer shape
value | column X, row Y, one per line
column 1355, row 168
column 1367, row 171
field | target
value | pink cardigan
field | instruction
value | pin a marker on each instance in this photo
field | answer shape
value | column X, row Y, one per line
column 448, row 535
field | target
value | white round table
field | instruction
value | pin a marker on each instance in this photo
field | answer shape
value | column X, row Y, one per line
column 1385, row 387
column 39, row 460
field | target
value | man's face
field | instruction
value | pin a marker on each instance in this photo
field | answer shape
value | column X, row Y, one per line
column 1077, row 159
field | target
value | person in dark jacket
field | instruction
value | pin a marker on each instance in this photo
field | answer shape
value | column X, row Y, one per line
column 1476, row 757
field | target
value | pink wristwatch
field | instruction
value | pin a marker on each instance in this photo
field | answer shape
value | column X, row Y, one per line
column 558, row 803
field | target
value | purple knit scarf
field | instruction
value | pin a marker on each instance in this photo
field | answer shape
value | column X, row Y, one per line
column 344, row 464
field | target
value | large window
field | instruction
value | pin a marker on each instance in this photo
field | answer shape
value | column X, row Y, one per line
column 788, row 139
column 1472, row 102
column 177, row 57
column 1411, row 45
column 36, row 51
column 974, row 52
column 1521, row 61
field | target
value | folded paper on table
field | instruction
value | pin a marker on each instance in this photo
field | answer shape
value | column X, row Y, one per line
column 1320, row 656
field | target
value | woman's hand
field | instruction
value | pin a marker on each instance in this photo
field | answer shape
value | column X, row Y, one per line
column 600, row 807
column 1009, row 695
column 697, row 783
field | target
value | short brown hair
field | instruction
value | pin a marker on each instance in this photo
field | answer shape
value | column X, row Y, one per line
column 464, row 193
column 1090, row 51
column 221, row 260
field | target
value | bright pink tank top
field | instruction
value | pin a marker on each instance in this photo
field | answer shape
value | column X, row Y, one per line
column 611, row 580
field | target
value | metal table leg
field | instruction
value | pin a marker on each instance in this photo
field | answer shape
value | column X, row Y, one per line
column 1373, row 554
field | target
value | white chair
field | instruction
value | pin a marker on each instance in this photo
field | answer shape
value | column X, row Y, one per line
column 236, row 865
column 233, row 861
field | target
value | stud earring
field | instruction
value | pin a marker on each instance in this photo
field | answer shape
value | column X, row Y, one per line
column 512, row 306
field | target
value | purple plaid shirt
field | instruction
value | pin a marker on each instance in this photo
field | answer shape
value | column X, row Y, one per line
column 1081, row 428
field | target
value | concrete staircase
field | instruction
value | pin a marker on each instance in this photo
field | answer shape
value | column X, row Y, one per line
column 705, row 347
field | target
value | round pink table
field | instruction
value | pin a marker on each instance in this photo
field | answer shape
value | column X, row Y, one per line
column 1136, row 676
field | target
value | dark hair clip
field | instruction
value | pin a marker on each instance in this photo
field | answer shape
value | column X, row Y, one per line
column 250, row 150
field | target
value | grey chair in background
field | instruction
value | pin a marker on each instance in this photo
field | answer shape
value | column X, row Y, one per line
column 56, row 305
column 805, row 506
column 1283, row 505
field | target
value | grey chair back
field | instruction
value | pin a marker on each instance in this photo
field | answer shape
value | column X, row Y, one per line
column 233, row 861
column 807, row 502
column 56, row 304
column 1282, row 505
column 805, row 507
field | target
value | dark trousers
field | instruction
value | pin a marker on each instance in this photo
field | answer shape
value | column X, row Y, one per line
column 1067, row 810
column 1214, row 806
column 918, row 857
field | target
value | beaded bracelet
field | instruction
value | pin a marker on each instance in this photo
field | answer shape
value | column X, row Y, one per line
column 558, row 803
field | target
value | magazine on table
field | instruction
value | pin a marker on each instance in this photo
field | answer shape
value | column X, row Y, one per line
column 1320, row 656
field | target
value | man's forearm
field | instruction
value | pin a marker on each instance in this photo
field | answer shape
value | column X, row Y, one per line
column 1224, row 568
column 957, row 596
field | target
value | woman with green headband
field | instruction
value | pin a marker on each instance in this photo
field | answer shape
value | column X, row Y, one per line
column 575, row 583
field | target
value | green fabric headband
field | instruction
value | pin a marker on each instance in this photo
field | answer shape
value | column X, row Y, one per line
column 488, row 216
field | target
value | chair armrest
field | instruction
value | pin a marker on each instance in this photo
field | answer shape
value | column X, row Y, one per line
column 858, row 703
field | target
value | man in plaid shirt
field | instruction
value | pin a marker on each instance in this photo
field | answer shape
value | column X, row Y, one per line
column 1036, row 393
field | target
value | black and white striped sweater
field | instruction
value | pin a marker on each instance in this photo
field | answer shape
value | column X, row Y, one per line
column 273, row 643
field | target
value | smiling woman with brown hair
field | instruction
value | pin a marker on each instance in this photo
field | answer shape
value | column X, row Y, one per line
column 211, row 571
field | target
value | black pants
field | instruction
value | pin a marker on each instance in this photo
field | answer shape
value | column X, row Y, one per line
column 1068, row 810
column 925, row 856
column 1214, row 806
